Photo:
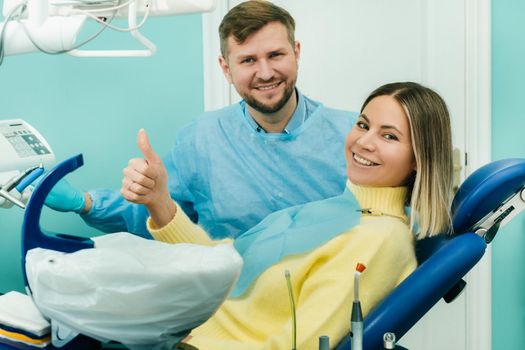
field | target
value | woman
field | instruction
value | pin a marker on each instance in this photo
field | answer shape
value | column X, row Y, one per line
column 398, row 153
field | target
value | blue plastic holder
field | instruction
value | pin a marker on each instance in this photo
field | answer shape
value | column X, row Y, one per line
column 32, row 234
column 34, row 237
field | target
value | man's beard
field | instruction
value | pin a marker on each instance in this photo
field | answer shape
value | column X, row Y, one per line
column 270, row 109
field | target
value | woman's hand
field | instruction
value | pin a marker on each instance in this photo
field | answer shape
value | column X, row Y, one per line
column 146, row 182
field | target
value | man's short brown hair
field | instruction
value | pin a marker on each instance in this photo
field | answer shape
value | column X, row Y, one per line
column 249, row 17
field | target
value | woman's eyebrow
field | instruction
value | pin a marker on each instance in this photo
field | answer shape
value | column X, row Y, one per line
column 362, row 115
column 386, row 126
column 391, row 127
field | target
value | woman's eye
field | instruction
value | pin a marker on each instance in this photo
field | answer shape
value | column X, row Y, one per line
column 390, row 137
column 362, row 125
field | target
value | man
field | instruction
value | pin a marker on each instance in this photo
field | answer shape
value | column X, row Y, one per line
column 230, row 168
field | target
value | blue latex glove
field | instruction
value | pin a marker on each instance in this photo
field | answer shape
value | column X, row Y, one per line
column 64, row 197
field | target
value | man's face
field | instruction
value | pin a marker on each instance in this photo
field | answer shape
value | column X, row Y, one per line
column 263, row 68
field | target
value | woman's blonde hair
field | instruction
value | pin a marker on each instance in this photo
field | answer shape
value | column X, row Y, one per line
column 430, row 188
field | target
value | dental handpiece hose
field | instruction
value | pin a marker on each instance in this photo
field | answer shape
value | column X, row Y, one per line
column 357, row 314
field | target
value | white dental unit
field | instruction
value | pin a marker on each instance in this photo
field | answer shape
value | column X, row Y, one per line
column 24, row 153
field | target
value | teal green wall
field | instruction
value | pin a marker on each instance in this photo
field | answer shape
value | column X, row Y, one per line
column 95, row 107
column 508, row 140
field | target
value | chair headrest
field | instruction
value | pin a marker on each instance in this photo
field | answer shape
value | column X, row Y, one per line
column 485, row 190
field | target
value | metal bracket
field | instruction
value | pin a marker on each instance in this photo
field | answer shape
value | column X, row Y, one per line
column 491, row 223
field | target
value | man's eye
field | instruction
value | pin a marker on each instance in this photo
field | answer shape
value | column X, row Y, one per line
column 275, row 54
column 248, row 60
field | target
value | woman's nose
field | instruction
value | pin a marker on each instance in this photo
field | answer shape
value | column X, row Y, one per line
column 367, row 141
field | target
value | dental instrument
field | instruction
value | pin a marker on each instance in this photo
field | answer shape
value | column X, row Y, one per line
column 357, row 314
column 20, row 182
column 7, row 196
column 324, row 342
column 15, row 180
column 292, row 305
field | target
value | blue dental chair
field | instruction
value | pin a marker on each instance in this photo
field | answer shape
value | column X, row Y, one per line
column 487, row 200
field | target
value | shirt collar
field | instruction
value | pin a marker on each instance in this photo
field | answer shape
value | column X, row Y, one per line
column 298, row 117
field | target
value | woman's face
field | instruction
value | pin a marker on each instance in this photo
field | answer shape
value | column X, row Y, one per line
column 378, row 149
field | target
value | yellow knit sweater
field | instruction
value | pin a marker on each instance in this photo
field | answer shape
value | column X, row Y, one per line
column 322, row 280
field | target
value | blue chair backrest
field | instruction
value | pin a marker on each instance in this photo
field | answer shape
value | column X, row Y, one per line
column 444, row 260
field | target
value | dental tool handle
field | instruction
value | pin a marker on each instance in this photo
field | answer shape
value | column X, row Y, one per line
column 356, row 286
column 358, row 270
column 14, row 200
column 357, row 326
column 324, row 342
column 27, row 180
column 9, row 185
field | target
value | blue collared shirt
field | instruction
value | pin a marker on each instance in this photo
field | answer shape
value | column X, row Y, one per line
column 299, row 116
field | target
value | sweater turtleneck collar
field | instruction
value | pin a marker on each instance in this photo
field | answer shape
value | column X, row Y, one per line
column 380, row 200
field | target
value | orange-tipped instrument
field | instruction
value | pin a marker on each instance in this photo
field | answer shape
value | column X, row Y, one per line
column 357, row 314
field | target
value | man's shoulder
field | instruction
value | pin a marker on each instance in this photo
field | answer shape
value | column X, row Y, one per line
column 331, row 113
column 338, row 113
column 210, row 119
column 227, row 112
column 208, row 122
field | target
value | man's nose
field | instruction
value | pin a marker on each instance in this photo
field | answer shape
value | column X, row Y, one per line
column 264, row 70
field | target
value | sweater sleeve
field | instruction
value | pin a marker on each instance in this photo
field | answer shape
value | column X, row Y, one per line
column 181, row 230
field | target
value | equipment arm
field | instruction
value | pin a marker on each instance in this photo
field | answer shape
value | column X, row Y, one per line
column 52, row 26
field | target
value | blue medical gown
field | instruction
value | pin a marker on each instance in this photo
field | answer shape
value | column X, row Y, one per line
column 227, row 176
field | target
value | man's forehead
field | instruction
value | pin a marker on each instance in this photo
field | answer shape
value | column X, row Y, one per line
column 241, row 50
column 256, row 48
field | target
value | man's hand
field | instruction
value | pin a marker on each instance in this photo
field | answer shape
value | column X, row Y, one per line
column 64, row 197
column 146, row 182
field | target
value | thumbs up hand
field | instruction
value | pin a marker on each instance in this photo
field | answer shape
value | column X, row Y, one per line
column 145, row 182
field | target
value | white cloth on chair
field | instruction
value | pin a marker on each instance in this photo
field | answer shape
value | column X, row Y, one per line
column 139, row 292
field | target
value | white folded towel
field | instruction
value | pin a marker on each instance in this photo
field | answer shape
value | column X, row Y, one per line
column 18, row 311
